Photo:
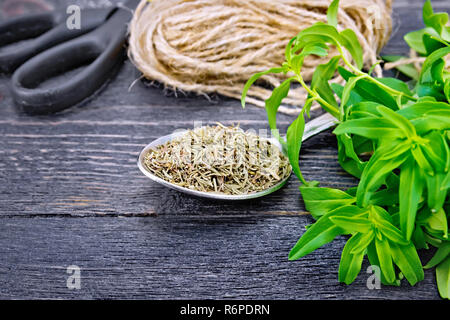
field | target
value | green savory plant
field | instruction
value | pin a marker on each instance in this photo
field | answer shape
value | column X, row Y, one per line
column 400, row 204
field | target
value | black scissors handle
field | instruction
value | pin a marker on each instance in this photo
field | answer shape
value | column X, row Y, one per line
column 42, row 31
column 25, row 27
column 103, row 48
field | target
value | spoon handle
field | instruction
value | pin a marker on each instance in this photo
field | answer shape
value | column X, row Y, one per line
column 318, row 125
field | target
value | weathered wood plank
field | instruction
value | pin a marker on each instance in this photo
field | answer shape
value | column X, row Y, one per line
column 59, row 173
column 177, row 258
column 85, row 173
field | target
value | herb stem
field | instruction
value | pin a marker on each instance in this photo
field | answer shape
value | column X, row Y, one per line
column 373, row 80
column 326, row 106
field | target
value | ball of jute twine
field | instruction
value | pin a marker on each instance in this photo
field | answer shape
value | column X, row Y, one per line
column 215, row 46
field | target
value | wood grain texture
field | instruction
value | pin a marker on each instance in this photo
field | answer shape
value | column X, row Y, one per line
column 71, row 193
column 186, row 257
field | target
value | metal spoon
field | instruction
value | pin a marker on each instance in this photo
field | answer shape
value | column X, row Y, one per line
column 312, row 128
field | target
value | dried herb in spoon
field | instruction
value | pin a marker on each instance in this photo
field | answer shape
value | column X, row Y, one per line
column 219, row 159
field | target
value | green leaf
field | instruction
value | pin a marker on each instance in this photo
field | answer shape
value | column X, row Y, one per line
column 255, row 77
column 446, row 182
column 301, row 44
column 434, row 74
column 349, row 86
column 319, row 201
column 347, row 157
column 432, row 58
column 374, row 175
column 406, row 258
column 364, row 109
column 385, row 197
column 437, row 221
column 307, row 106
column 437, row 192
column 429, row 89
column 297, row 63
column 415, row 40
column 437, row 21
column 274, row 102
column 410, row 193
column 350, row 41
column 351, row 259
column 320, row 78
column 369, row 128
column 319, row 32
column 396, row 84
column 393, row 181
column 332, row 13
column 432, row 42
column 288, row 50
column 437, row 151
column 294, row 137
column 443, row 278
column 440, row 255
column 423, row 162
column 437, row 70
column 374, row 261
column 397, row 120
column 431, row 122
column 363, row 145
column 370, row 91
column 353, row 224
column 447, row 89
column 352, row 100
column 399, row 148
column 384, row 256
column 317, row 235
column 321, row 232
column 325, row 71
column 364, row 241
column 418, row 238
column 315, row 49
column 384, row 224
column 426, row 99
column 423, row 108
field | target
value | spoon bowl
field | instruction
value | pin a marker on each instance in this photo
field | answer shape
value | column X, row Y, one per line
column 312, row 128
column 210, row 195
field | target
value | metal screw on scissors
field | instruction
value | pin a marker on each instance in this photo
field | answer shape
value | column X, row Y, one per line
column 99, row 41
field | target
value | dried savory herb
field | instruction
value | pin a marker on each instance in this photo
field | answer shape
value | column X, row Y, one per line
column 219, row 159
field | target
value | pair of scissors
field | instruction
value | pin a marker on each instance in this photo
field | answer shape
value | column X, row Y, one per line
column 54, row 49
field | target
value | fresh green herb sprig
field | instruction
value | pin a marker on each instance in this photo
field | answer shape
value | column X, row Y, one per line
column 400, row 204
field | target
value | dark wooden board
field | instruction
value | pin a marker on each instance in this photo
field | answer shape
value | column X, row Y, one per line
column 71, row 193
column 176, row 257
